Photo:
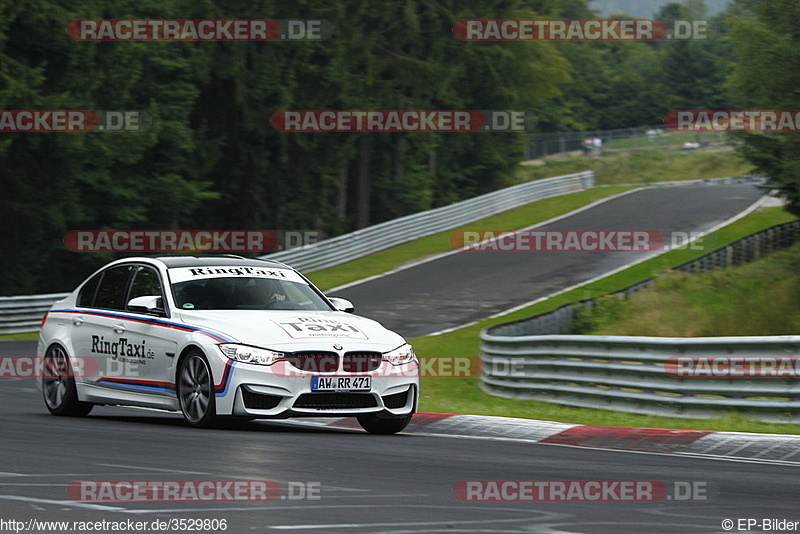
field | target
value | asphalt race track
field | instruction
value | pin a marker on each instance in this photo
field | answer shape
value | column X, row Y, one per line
column 459, row 288
column 365, row 483
column 391, row 484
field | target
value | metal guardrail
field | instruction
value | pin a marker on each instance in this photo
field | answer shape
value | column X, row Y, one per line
column 388, row 234
column 24, row 313
column 630, row 374
column 746, row 249
column 627, row 373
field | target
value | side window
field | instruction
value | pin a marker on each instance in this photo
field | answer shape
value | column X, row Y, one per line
column 111, row 293
column 145, row 284
column 86, row 296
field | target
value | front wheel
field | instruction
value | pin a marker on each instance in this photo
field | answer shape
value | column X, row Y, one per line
column 196, row 390
column 58, row 385
column 374, row 425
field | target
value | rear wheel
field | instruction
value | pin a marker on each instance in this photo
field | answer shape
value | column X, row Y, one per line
column 196, row 390
column 374, row 425
column 58, row 385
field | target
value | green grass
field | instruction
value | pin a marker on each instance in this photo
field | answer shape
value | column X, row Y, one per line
column 642, row 166
column 463, row 395
column 761, row 298
column 514, row 219
column 23, row 336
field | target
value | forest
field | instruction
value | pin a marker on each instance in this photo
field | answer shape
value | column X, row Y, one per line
column 211, row 160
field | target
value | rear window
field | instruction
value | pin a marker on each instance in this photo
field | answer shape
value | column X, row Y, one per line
column 86, row 296
column 111, row 292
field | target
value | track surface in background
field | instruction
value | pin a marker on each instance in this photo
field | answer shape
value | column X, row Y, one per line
column 459, row 288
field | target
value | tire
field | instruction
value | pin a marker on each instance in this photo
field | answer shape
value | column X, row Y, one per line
column 195, row 390
column 374, row 425
column 58, row 385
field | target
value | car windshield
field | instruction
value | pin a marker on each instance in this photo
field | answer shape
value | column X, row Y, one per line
column 248, row 289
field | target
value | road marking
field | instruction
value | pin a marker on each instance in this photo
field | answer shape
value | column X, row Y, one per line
column 770, row 449
column 440, row 255
column 73, row 504
column 43, row 485
column 271, row 506
column 788, row 455
column 696, row 455
column 113, row 473
column 154, row 469
column 757, row 204
column 399, row 524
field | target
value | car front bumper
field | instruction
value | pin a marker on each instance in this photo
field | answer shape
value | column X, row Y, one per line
column 260, row 392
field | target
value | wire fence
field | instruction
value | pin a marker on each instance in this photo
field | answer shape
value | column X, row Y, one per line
column 624, row 139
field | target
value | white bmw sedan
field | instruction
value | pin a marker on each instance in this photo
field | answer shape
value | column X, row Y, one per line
column 222, row 336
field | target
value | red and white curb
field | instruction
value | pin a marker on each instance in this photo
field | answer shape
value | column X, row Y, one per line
column 773, row 448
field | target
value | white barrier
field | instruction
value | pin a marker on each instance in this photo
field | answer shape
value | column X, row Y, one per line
column 348, row 247
column 643, row 375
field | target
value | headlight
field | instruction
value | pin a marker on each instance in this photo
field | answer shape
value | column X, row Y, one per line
column 401, row 355
column 245, row 353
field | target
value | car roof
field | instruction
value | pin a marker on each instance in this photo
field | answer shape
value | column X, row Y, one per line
column 217, row 261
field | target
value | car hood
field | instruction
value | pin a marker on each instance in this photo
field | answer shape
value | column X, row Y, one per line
column 296, row 329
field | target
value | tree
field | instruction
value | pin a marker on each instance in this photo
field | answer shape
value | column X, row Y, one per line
column 56, row 182
column 766, row 76
column 211, row 159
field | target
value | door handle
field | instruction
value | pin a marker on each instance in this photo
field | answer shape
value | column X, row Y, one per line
column 77, row 321
column 119, row 328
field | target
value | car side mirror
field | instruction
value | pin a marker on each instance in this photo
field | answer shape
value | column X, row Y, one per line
column 147, row 304
column 342, row 305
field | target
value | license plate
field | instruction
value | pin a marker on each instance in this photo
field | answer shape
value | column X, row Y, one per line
column 341, row 383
